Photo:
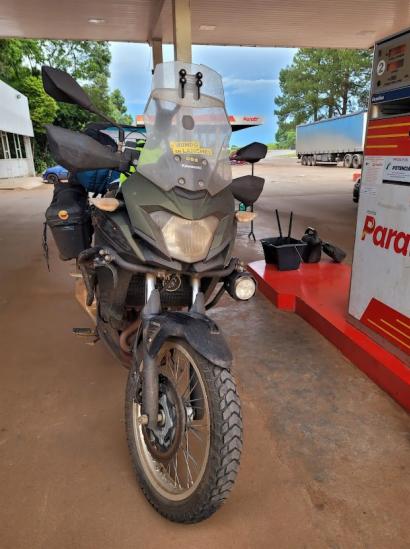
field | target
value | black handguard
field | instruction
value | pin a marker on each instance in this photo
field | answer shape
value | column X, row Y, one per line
column 129, row 158
column 335, row 253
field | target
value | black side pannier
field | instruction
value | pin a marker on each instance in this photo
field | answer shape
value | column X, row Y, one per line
column 69, row 219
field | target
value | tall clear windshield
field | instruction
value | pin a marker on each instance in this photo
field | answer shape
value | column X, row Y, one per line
column 187, row 128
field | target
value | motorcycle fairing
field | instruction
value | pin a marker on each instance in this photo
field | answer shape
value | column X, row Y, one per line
column 142, row 197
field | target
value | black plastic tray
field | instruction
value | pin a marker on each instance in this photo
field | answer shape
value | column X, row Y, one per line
column 284, row 252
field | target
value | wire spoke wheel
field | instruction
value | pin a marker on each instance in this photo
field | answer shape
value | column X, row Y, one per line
column 187, row 465
column 186, row 429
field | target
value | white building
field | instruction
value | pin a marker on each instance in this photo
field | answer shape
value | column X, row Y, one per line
column 16, row 157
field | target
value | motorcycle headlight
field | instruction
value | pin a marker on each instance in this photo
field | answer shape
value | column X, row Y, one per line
column 186, row 239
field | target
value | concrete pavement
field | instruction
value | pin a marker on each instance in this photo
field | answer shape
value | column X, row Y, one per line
column 26, row 183
column 326, row 462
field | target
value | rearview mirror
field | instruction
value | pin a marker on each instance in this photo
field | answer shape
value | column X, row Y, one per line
column 252, row 153
column 247, row 188
column 77, row 151
column 62, row 87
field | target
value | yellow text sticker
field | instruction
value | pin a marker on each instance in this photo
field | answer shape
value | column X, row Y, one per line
column 190, row 147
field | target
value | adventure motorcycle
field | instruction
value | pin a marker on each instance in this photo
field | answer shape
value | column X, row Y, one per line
column 162, row 244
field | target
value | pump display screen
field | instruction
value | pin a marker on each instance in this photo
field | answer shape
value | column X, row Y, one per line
column 391, row 73
column 396, row 51
column 395, row 65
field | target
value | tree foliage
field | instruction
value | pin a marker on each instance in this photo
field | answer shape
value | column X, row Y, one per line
column 320, row 83
column 43, row 108
column 119, row 108
column 87, row 61
column 18, row 59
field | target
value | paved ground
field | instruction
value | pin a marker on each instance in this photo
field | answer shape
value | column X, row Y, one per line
column 319, row 197
column 280, row 152
column 326, row 461
column 27, row 183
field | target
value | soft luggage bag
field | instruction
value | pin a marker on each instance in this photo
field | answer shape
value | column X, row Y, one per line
column 69, row 219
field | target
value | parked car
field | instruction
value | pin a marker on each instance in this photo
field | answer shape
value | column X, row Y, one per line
column 54, row 174
column 233, row 160
column 356, row 187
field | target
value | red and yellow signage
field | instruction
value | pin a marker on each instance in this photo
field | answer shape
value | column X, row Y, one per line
column 380, row 288
column 388, row 137
column 388, row 323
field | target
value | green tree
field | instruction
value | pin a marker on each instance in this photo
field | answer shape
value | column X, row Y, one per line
column 320, row 83
column 18, row 58
column 43, row 111
column 86, row 61
column 43, row 108
column 118, row 108
column 286, row 138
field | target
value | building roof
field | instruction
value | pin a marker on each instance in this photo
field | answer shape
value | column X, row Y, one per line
column 14, row 111
column 318, row 23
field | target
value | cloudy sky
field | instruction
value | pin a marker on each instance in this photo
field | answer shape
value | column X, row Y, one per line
column 250, row 79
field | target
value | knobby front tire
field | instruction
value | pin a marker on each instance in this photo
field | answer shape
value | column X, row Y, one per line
column 209, row 427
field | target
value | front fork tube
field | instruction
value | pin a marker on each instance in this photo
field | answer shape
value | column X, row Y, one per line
column 150, row 385
column 196, row 287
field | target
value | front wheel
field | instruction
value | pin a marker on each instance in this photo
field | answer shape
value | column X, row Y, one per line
column 187, row 466
column 52, row 178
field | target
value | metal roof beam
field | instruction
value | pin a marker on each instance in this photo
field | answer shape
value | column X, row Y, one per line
column 156, row 47
column 181, row 19
column 155, row 31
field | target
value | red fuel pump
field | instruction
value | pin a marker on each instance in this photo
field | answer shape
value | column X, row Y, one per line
column 380, row 287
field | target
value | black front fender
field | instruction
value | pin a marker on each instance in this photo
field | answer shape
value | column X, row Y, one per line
column 198, row 330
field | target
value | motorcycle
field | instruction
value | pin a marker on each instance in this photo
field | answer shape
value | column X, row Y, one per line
column 161, row 258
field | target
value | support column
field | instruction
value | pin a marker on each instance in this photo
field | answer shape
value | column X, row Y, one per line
column 181, row 14
column 29, row 155
column 156, row 46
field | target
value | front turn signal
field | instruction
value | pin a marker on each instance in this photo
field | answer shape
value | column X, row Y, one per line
column 245, row 217
column 106, row 204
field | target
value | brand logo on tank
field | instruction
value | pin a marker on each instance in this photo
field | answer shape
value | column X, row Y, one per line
column 386, row 237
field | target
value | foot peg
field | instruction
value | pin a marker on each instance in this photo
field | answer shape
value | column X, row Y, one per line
column 87, row 332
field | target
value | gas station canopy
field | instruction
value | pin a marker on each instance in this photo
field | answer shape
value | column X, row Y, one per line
column 319, row 23
column 237, row 122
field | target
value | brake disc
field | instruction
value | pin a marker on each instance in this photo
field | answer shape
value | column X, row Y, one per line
column 164, row 441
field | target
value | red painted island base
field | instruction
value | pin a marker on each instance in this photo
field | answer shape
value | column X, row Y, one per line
column 319, row 293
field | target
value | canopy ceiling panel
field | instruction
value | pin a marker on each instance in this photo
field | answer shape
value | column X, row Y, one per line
column 318, row 23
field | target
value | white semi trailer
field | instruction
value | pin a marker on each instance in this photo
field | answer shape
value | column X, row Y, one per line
column 332, row 140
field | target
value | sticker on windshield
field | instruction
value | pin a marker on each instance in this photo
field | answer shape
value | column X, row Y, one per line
column 190, row 147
